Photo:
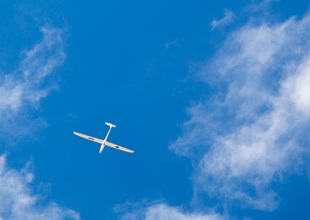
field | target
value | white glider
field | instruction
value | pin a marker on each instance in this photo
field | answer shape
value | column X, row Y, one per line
column 104, row 142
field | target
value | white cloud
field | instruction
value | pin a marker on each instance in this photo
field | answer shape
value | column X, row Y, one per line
column 261, row 5
column 164, row 212
column 297, row 87
column 20, row 94
column 19, row 202
column 227, row 19
column 22, row 89
column 254, row 131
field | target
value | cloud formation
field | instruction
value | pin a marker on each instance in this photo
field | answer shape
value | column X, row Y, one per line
column 164, row 212
column 20, row 94
column 227, row 19
column 253, row 132
column 18, row 202
column 22, row 89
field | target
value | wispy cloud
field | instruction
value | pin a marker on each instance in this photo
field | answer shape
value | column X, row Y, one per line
column 22, row 89
column 20, row 94
column 19, row 202
column 227, row 19
column 254, row 131
column 171, row 43
column 162, row 211
column 261, row 5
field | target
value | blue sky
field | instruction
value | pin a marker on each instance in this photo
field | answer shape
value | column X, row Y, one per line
column 213, row 96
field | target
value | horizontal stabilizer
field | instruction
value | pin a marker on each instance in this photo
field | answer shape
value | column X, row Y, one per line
column 110, row 124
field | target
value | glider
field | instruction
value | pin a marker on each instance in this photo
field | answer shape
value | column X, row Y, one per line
column 104, row 142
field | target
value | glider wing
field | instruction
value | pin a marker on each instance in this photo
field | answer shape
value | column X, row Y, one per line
column 90, row 138
column 115, row 146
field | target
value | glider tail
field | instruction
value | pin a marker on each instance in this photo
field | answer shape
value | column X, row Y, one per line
column 110, row 125
column 101, row 148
